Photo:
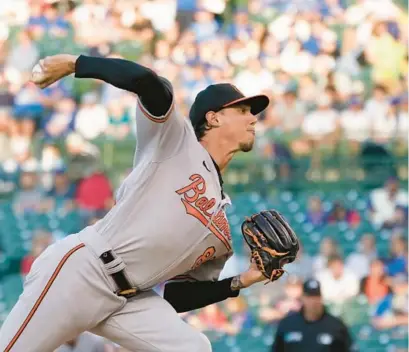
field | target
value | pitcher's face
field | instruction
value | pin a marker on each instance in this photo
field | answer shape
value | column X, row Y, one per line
column 238, row 124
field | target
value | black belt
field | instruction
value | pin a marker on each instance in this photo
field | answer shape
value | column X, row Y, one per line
column 125, row 289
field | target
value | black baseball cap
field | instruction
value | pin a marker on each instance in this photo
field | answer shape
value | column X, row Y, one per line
column 219, row 96
column 312, row 287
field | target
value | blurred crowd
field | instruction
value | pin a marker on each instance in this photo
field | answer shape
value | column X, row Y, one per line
column 334, row 70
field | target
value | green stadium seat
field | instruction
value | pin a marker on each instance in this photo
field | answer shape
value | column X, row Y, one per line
column 14, row 284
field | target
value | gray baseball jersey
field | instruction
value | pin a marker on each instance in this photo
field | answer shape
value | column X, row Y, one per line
column 169, row 216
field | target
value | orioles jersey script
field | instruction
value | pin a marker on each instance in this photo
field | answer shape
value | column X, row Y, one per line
column 169, row 219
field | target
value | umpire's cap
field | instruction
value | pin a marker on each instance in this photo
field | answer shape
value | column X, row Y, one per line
column 312, row 287
column 219, row 96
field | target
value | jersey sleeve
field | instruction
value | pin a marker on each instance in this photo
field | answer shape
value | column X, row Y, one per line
column 158, row 137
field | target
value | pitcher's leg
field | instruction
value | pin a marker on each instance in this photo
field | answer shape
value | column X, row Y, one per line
column 62, row 297
column 148, row 323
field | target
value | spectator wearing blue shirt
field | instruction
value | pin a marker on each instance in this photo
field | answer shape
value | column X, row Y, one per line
column 240, row 28
column 60, row 123
column 185, row 13
column 205, row 26
column 62, row 189
column 397, row 263
column 392, row 311
column 49, row 21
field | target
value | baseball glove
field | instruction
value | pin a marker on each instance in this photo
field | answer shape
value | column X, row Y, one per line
column 272, row 242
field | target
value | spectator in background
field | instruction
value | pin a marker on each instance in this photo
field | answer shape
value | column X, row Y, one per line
column 92, row 118
column 23, row 56
column 45, row 20
column 50, row 161
column 41, row 240
column 240, row 28
column 338, row 283
column 27, row 109
column 315, row 212
column 360, row 261
column 399, row 221
column 355, row 123
column 302, row 267
column 393, row 310
column 328, row 248
column 384, row 202
column 204, row 26
column 290, row 301
column 397, row 262
column 238, row 315
column 119, row 120
column 254, row 79
column 386, row 55
column 94, row 195
column 339, row 213
column 60, row 123
column 211, row 318
column 288, row 114
column 384, row 127
column 63, row 189
column 294, row 59
column 375, row 285
column 29, row 195
column 378, row 105
column 320, row 127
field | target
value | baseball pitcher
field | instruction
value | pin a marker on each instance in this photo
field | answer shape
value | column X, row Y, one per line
column 168, row 225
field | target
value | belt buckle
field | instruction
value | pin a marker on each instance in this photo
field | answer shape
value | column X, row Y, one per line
column 129, row 293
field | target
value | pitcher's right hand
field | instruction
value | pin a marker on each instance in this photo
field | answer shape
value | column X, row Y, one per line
column 52, row 69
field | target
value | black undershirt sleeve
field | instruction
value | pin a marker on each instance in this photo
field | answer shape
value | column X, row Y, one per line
column 187, row 296
column 155, row 95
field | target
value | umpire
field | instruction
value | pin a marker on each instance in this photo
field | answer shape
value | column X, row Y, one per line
column 312, row 329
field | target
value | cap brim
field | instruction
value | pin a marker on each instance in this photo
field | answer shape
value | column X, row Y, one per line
column 257, row 103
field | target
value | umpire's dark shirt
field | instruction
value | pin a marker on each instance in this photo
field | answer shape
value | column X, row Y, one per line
column 328, row 334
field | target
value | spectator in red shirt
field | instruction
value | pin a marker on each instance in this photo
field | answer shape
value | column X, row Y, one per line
column 375, row 286
column 94, row 194
column 211, row 318
column 340, row 213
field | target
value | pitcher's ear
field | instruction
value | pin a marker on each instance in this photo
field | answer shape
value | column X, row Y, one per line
column 213, row 119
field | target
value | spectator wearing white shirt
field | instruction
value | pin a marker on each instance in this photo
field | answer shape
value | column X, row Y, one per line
column 338, row 284
column 254, row 79
column 92, row 117
column 288, row 113
column 355, row 123
column 377, row 106
column 385, row 127
column 328, row 248
column 360, row 261
column 302, row 267
column 385, row 201
column 321, row 129
column 321, row 124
